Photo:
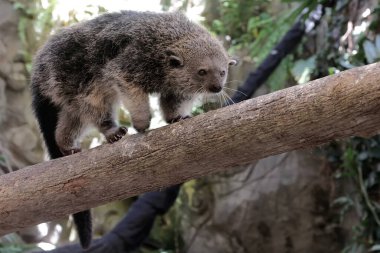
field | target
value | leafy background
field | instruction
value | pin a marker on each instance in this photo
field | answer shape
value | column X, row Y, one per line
column 250, row 29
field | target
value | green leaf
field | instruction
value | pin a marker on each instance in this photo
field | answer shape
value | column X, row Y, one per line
column 363, row 155
column 370, row 51
column 374, row 152
column 303, row 69
column 342, row 201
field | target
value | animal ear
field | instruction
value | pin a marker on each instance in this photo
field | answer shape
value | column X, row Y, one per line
column 233, row 62
column 174, row 59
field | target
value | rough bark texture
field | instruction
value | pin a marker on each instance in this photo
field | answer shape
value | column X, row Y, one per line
column 334, row 107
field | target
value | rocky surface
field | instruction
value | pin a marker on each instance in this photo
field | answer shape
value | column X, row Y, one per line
column 20, row 144
column 281, row 204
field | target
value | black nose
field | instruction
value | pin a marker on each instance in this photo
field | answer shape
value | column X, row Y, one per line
column 215, row 88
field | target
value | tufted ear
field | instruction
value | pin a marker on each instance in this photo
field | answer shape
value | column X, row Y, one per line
column 174, row 59
column 233, row 62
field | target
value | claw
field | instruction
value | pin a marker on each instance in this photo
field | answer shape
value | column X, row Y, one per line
column 72, row 151
column 123, row 131
column 117, row 134
column 179, row 118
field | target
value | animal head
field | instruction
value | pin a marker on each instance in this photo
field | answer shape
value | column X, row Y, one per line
column 199, row 66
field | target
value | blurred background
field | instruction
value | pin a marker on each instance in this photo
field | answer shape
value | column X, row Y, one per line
column 319, row 200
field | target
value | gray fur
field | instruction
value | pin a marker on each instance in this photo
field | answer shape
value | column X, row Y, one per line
column 88, row 69
column 82, row 74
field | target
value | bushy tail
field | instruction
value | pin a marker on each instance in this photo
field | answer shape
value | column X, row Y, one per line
column 47, row 116
column 83, row 223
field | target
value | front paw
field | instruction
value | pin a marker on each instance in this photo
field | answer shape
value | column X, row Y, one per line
column 116, row 134
column 177, row 119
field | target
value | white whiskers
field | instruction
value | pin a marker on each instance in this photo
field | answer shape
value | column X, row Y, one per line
column 236, row 91
column 227, row 97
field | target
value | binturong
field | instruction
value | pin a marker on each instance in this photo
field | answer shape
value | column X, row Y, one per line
column 85, row 72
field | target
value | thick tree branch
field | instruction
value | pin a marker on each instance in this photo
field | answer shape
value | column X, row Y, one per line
column 303, row 116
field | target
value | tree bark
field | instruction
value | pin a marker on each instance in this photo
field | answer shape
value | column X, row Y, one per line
column 302, row 116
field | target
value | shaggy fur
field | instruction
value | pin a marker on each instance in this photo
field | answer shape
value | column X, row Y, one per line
column 85, row 71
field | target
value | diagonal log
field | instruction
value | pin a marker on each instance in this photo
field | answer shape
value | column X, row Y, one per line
column 303, row 116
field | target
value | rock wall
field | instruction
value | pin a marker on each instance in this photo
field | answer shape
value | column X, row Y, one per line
column 20, row 144
column 280, row 204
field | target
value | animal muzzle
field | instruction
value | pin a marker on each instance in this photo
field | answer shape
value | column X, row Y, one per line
column 215, row 88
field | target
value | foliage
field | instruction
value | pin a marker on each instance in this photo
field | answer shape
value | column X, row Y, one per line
column 372, row 49
column 35, row 24
column 358, row 159
column 12, row 244
column 165, row 236
column 248, row 24
column 358, row 162
column 253, row 25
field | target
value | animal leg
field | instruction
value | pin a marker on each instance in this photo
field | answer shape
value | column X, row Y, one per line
column 137, row 103
column 174, row 108
column 68, row 131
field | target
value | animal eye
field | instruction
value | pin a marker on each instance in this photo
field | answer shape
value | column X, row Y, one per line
column 202, row 72
column 222, row 73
